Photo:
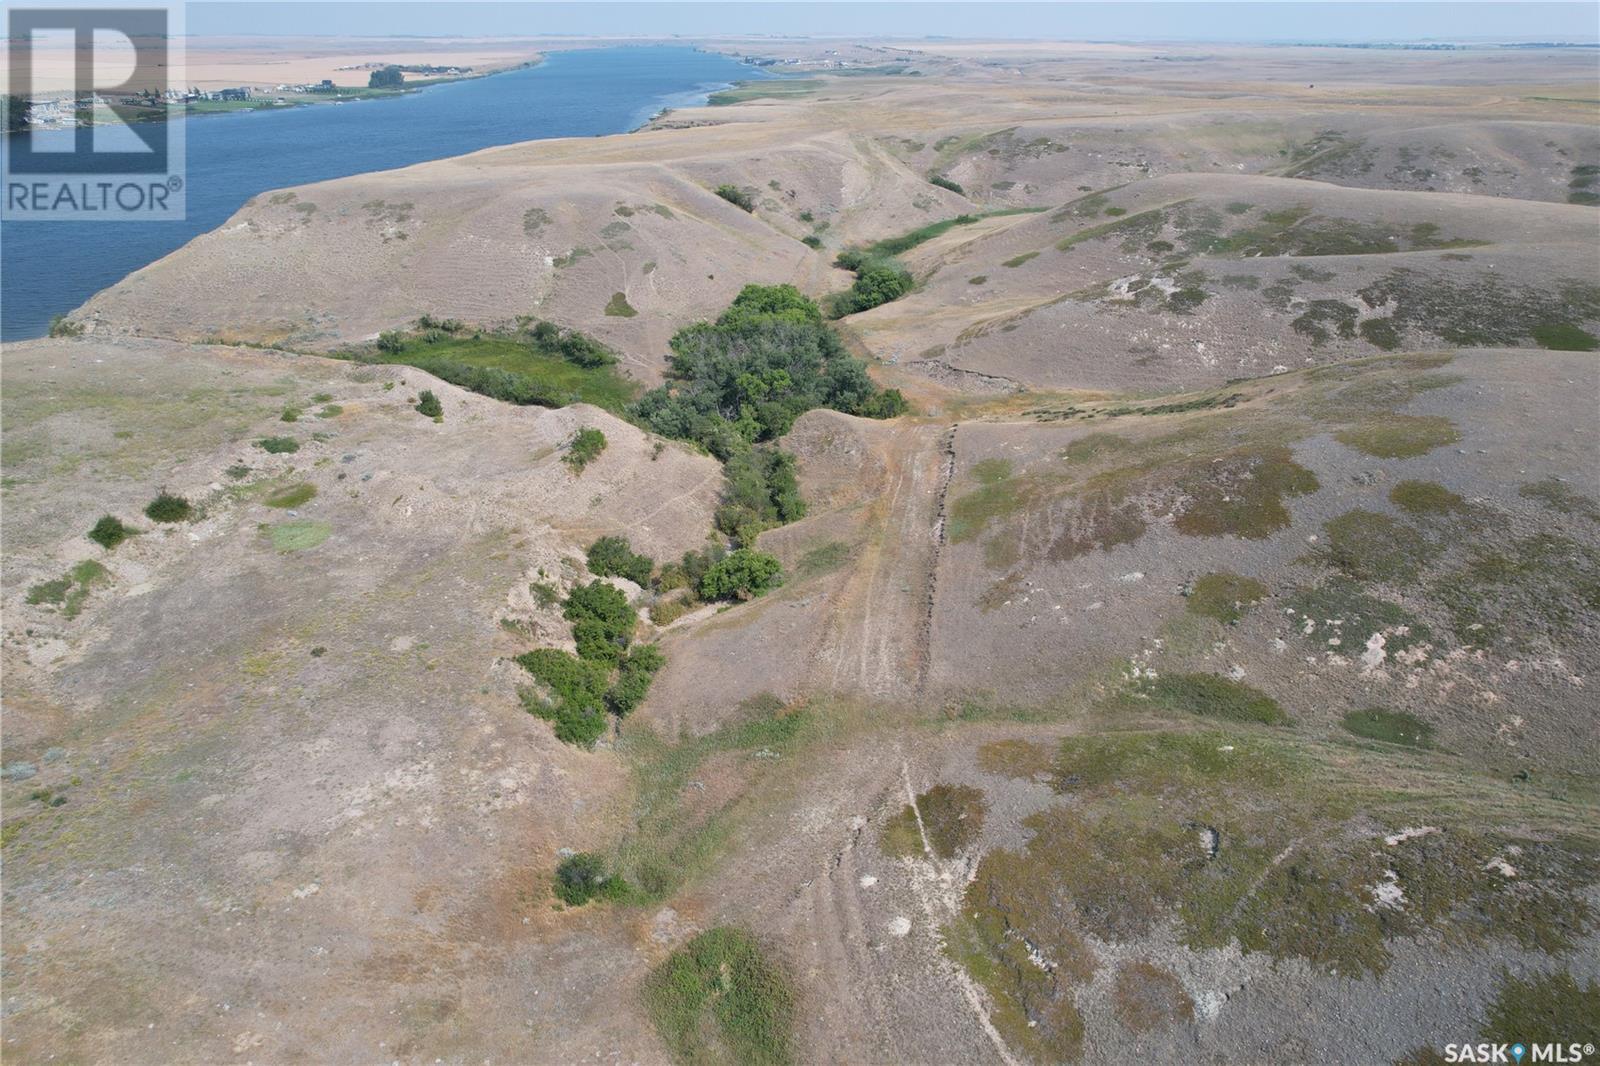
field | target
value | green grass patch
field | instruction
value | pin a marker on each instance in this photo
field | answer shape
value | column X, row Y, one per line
column 298, row 535
column 1211, row 696
column 1227, row 597
column 70, row 591
column 777, row 89
column 1564, row 337
column 291, row 496
column 952, row 818
column 1560, row 497
column 1426, row 498
column 515, row 367
column 1371, row 546
column 1017, row 260
column 618, row 306
column 1551, row 1008
column 1397, row 436
column 1340, row 609
column 823, row 559
column 1391, row 727
column 278, row 445
column 720, row 999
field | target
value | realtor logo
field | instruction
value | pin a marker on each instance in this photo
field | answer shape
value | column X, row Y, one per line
column 90, row 95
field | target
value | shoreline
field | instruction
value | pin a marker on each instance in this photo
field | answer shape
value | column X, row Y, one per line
column 356, row 94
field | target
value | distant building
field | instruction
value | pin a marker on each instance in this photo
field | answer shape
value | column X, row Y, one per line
column 240, row 93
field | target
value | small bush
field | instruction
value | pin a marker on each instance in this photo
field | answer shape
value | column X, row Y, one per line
column 945, row 183
column 744, row 574
column 168, row 508
column 736, row 196
column 109, row 532
column 811, row 240
column 585, row 448
column 391, row 342
column 582, row 877
column 278, row 445
column 615, row 557
column 619, row 307
column 428, row 404
column 290, row 414
column 62, row 326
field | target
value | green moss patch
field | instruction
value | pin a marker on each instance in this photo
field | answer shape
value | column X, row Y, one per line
column 299, row 535
column 1224, row 596
column 719, row 999
column 1561, row 497
column 1426, row 499
column 1551, row 1008
column 618, row 306
column 1341, row 615
column 291, row 496
column 1391, row 727
column 1371, row 546
column 1523, row 592
column 1399, row 436
column 1211, row 696
column 951, row 818
column 71, row 590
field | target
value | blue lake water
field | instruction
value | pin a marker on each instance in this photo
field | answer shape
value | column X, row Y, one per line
column 51, row 267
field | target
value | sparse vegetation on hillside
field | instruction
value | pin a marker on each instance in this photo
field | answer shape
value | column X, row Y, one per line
column 428, row 404
column 582, row 877
column 736, row 196
column 71, row 590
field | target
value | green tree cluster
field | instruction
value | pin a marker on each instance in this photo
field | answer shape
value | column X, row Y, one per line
column 743, row 575
column 615, row 557
column 878, row 281
column 736, row 196
column 388, row 77
column 742, row 381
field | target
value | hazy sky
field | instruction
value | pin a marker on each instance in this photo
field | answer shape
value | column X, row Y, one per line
column 1192, row 20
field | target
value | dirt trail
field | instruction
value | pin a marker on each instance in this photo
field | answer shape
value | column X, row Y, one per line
column 877, row 636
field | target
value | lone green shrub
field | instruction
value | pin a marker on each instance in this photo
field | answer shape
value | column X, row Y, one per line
column 719, row 999
column 736, row 196
column 428, row 404
column 278, row 445
column 582, row 877
column 586, row 446
column 744, row 574
column 945, row 183
column 109, row 531
column 168, row 508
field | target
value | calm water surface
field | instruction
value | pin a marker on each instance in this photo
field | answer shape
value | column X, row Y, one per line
column 50, row 268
